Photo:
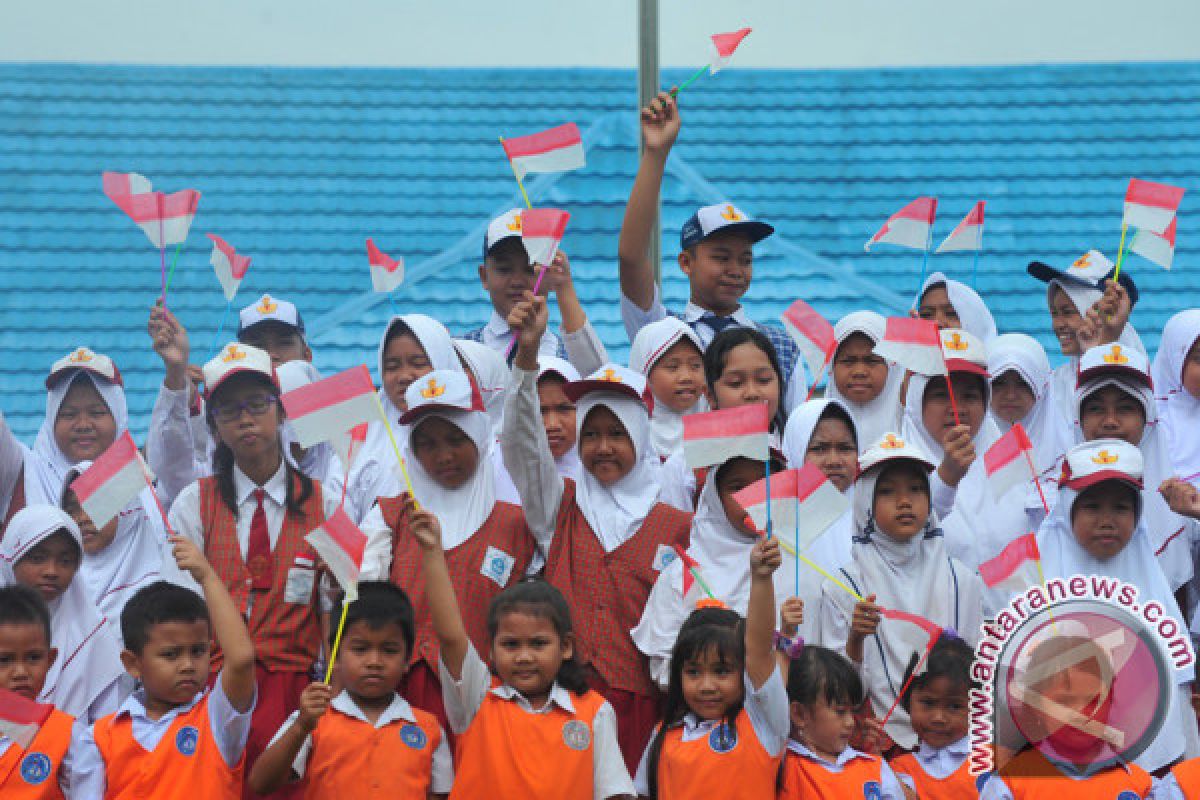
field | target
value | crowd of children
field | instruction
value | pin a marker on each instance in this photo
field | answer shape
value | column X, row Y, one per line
column 552, row 603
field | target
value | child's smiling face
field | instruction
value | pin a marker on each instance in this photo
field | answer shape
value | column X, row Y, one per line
column 84, row 426
column 677, row 377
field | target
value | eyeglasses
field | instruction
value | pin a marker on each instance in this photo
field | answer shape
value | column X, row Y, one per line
column 257, row 405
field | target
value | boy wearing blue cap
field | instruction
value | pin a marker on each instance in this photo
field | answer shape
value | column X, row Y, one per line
column 716, row 253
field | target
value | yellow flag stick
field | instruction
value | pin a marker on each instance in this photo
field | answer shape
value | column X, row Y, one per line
column 520, row 185
column 814, row 565
column 337, row 641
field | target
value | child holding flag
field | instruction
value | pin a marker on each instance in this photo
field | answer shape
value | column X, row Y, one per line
column 605, row 538
column 37, row 764
column 716, row 253
column 870, row 386
column 173, row 738
column 671, row 356
column 366, row 735
column 447, row 446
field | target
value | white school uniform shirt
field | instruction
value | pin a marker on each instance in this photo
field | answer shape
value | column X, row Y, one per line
column 767, row 709
column 889, row 784
column 583, row 347
column 443, row 766
column 230, row 729
column 939, row 763
column 1167, row 789
column 173, row 443
column 464, row 697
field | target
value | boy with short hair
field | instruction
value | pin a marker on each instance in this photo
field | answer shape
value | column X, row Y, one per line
column 716, row 253
column 35, row 764
column 367, row 735
column 171, row 738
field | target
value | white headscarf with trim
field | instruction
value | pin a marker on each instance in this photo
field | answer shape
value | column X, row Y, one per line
column 973, row 314
column 651, row 343
column 490, row 373
column 881, row 415
column 1179, row 409
column 1049, row 432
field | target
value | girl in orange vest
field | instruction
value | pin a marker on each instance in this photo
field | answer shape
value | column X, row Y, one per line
column 824, row 690
column 1181, row 783
column 724, row 725
column 250, row 518
column 32, row 767
column 605, row 537
column 937, row 703
column 527, row 725
column 447, row 449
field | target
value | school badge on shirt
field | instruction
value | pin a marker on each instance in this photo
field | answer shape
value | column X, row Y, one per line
column 872, row 790
column 663, row 557
column 497, row 565
column 35, row 768
column 577, row 735
column 723, row 738
column 187, row 739
column 413, row 736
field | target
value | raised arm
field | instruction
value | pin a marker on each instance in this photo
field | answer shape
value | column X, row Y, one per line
column 439, row 590
column 170, row 452
column 585, row 351
column 765, row 558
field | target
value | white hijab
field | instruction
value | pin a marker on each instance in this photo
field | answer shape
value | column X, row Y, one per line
column 1049, row 432
column 1179, row 409
column 1163, row 525
column 615, row 512
column 881, row 415
column 490, row 372
column 973, row 314
column 461, row 511
column 650, row 344
column 89, row 658
column 569, row 465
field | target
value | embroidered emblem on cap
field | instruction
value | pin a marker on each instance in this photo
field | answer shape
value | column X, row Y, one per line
column 577, row 735
column 731, row 214
column 515, row 225
column 1083, row 262
column 233, row 353
column 80, row 356
column 267, row 305
column 1115, row 356
column 954, row 342
column 434, row 389
column 891, row 442
column 1104, row 457
column 610, row 376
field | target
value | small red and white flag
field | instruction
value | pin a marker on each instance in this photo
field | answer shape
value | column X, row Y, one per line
column 803, row 505
column 348, row 445
column 386, row 272
column 1153, row 247
column 715, row 437
column 812, row 334
column 123, row 184
column 968, row 235
column 341, row 545
column 556, row 150
column 693, row 589
column 323, row 410
column 542, row 230
column 164, row 218
column 21, row 718
column 1151, row 206
column 909, row 227
column 914, row 344
column 230, row 267
column 112, row 481
column 724, row 45
column 1020, row 553
column 1009, row 461
column 934, row 631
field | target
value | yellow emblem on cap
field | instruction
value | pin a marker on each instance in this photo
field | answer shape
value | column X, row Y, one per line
column 80, row 356
column 1083, row 262
column 730, row 213
column 610, row 376
column 891, row 442
column 1115, row 356
column 955, row 342
column 434, row 389
column 515, row 225
column 1104, row 457
column 267, row 305
column 233, row 353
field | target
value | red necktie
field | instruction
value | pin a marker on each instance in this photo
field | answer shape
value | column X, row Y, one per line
column 258, row 551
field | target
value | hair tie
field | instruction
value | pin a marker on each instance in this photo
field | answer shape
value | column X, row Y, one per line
column 951, row 634
column 710, row 602
column 792, row 648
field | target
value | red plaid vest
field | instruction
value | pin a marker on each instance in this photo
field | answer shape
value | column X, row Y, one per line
column 607, row 591
column 504, row 530
column 287, row 636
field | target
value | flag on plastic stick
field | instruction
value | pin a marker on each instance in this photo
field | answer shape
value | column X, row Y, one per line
column 715, row 437
column 1020, row 552
column 323, row 410
column 348, row 445
column 1154, row 247
column 968, row 235
column 909, row 227
column 1009, row 462
column 935, row 633
column 341, row 545
column 230, row 267
column 164, row 218
column 387, row 273
column 542, row 230
column 123, row 184
column 914, row 344
column 803, row 505
column 692, row 577
column 555, row 150
column 21, row 718
column 724, row 45
column 112, row 481
column 1151, row 206
column 812, row 334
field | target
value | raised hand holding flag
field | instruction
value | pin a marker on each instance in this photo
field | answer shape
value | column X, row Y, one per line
column 723, row 47
column 1149, row 207
column 934, row 632
column 555, row 150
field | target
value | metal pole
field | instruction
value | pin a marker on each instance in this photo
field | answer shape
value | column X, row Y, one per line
column 647, row 89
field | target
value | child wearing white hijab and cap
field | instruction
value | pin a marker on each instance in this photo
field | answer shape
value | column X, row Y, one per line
column 671, row 356
column 868, row 385
column 899, row 561
column 607, row 537
column 42, row 549
column 952, row 304
column 1176, row 372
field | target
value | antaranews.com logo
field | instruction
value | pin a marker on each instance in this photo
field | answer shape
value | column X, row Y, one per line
column 1078, row 674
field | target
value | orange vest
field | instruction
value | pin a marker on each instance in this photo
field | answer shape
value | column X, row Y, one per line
column 860, row 779
column 1030, row 776
column 185, row 765
column 723, row 764
column 958, row 785
column 33, row 772
column 351, row 758
column 509, row 752
column 1187, row 775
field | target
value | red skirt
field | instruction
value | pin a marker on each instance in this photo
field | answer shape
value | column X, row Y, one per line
column 637, row 714
column 278, row 697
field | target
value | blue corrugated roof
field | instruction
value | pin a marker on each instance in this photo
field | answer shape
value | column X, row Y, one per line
column 299, row 166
